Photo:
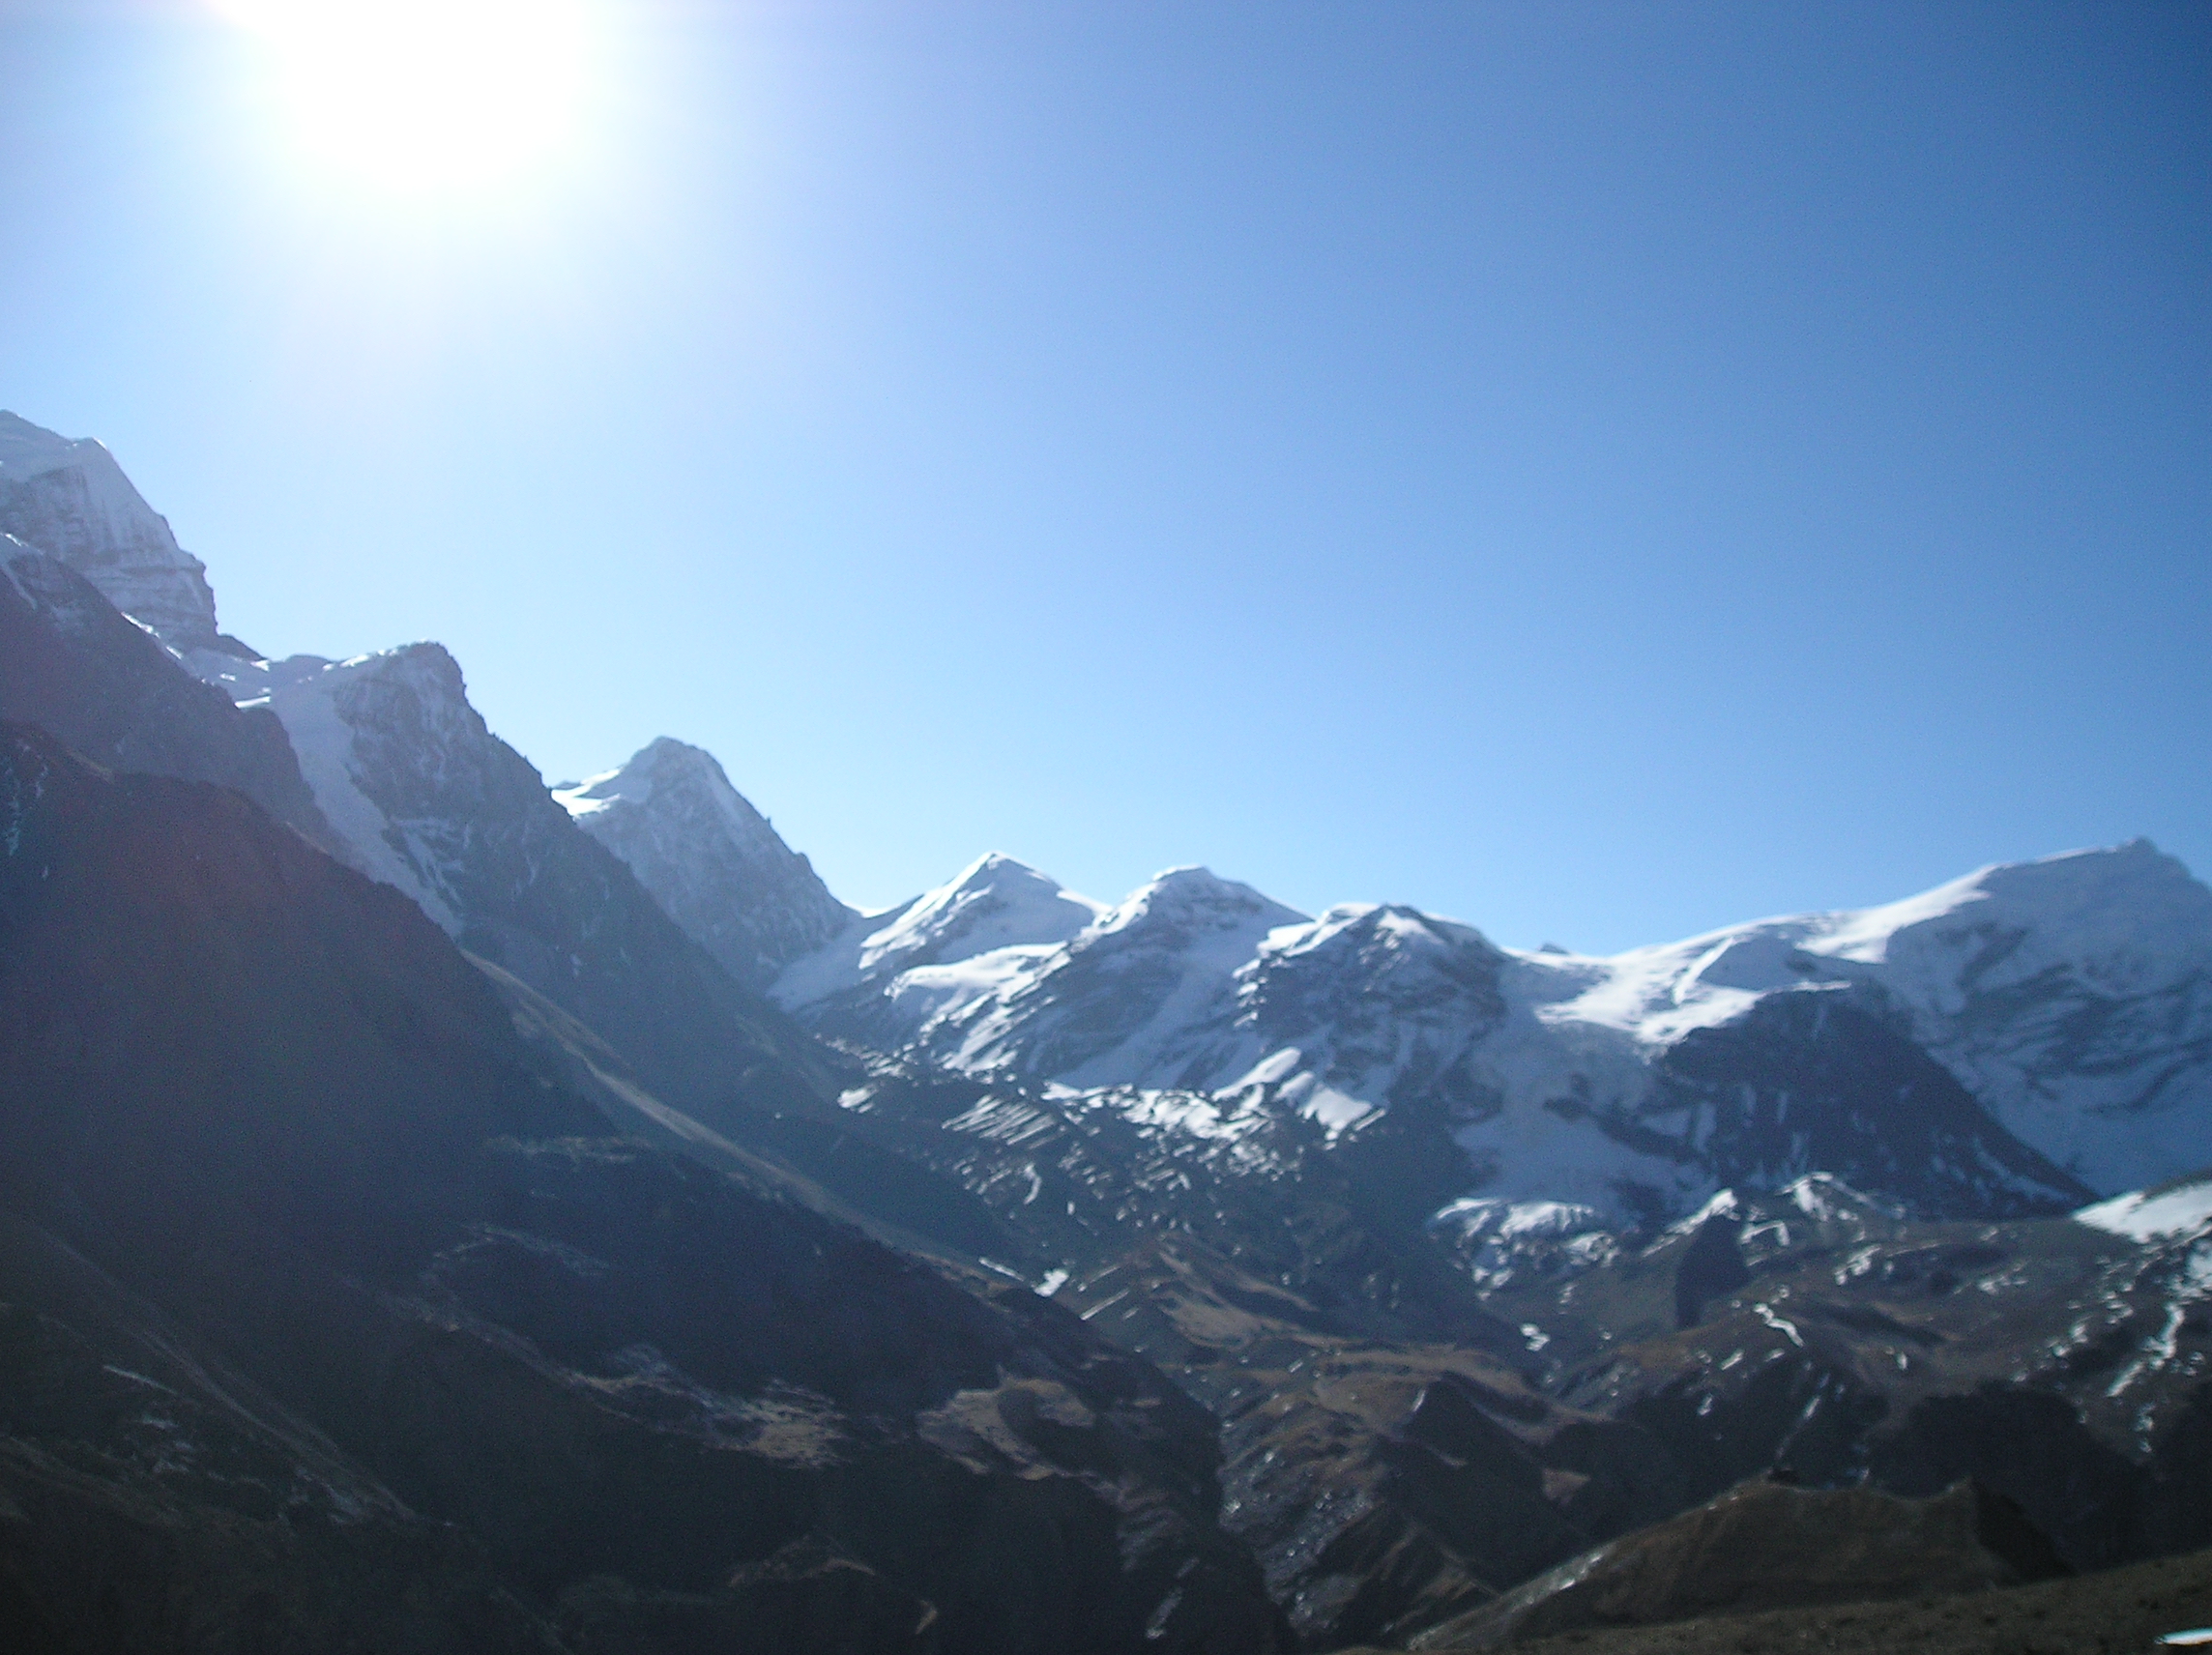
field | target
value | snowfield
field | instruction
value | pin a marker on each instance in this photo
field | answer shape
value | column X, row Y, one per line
column 2070, row 997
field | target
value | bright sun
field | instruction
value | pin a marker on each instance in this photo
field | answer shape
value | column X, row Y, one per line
column 426, row 94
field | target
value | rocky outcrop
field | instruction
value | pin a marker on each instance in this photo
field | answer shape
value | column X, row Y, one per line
column 1822, row 1081
column 2059, row 1362
column 2118, row 1612
column 433, row 803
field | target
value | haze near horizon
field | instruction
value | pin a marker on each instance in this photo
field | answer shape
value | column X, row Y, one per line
column 1599, row 472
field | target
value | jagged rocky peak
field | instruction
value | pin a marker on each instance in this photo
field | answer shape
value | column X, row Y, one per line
column 709, row 857
column 381, row 740
column 70, row 499
column 1120, row 1001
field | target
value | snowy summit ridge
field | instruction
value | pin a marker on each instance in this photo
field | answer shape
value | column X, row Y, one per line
column 2072, row 995
column 2032, row 1032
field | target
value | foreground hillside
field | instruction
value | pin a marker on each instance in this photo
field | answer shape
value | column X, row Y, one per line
column 319, row 1286
column 2121, row 1613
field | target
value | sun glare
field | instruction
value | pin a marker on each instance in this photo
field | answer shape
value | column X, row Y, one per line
column 426, row 94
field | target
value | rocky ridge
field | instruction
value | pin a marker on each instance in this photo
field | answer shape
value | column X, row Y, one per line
column 1767, row 1545
column 70, row 664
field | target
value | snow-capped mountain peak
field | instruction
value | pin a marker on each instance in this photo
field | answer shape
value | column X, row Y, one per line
column 70, row 499
column 2130, row 919
column 1199, row 901
column 712, row 861
column 2068, row 994
column 661, row 765
column 2004, row 1042
column 994, row 904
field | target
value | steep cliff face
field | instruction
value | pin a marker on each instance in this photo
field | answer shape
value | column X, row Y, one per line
column 265, row 1098
column 710, row 860
column 431, row 802
column 71, row 501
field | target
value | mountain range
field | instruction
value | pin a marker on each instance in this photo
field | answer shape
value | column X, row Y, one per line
column 1324, row 1277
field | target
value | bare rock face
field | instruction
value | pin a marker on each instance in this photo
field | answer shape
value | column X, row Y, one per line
column 2058, row 1362
column 430, row 802
column 710, row 860
column 71, row 501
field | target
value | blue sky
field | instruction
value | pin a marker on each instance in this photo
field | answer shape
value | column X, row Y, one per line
column 1596, row 471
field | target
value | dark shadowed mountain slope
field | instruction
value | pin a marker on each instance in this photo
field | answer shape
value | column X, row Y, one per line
column 1770, row 1547
column 2120, row 1611
column 1766, row 1546
column 1386, row 1482
column 438, row 806
column 153, row 1499
column 266, row 1098
column 75, row 667
column 380, row 758
column 1829, row 1081
column 383, row 762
